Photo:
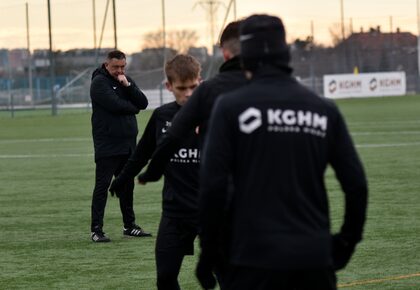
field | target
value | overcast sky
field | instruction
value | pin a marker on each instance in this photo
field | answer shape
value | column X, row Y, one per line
column 72, row 20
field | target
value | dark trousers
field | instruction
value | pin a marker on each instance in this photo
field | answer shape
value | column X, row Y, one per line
column 105, row 169
column 175, row 240
column 248, row 278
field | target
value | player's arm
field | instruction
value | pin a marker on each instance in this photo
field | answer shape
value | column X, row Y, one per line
column 216, row 165
column 351, row 176
column 102, row 93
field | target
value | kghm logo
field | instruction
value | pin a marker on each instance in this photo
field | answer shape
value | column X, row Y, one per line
column 250, row 120
column 373, row 84
column 284, row 121
column 186, row 155
column 332, row 86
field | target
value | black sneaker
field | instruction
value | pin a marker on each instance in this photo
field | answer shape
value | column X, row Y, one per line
column 99, row 237
column 135, row 231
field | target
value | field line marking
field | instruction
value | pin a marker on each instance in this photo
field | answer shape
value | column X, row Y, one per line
column 387, row 145
column 385, row 133
column 383, row 122
column 74, row 139
column 374, row 281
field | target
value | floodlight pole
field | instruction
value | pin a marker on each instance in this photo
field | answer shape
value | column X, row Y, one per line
column 94, row 23
column 163, row 51
column 29, row 51
column 115, row 25
column 51, row 59
column 418, row 37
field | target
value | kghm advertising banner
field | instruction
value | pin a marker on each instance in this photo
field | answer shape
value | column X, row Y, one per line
column 365, row 85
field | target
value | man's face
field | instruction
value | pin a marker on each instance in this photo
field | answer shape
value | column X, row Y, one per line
column 182, row 90
column 115, row 67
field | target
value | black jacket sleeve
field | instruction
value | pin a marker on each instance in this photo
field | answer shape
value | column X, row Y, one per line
column 103, row 94
column 143, row 151
column 350, row 174
column 216, row 165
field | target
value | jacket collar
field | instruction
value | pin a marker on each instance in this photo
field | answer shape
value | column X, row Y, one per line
column 232, row 64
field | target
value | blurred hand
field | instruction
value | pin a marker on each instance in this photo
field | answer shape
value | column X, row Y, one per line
column 117, row 187
column 342, row 251
column 123, row 80
column 204, row 272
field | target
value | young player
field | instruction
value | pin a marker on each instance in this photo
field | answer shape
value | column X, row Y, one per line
column 178, row 225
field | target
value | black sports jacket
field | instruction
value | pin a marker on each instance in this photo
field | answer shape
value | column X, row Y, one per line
column 180, row 187
column 274, row 138
column 114, row 106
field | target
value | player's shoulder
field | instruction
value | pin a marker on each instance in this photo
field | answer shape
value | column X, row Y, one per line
column 167, row 108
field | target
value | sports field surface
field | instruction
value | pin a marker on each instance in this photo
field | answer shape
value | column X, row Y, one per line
column 46, row 182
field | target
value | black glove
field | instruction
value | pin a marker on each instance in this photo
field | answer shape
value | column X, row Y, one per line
column 342, row 250
column 204, row 272
column 117, row 187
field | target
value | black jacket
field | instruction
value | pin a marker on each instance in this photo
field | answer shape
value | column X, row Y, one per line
column 114, row 106
column 195, row 113
column 274, row 139
column 180, row 188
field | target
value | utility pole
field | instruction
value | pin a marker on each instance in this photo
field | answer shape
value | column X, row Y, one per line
column 52, row 68
column 94, row 23
column 29, row 52
column 115, row 25
column 342, row 20
column 211, row 7
column 163, row 51
column 418, row 38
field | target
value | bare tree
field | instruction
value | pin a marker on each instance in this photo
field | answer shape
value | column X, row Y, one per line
column 180, row 40
column 335, row 32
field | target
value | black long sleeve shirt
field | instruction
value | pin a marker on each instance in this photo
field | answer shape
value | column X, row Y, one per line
column 274, row 139
column 180, row 189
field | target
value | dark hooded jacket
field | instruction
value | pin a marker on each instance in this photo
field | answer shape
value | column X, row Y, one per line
column 114, row 106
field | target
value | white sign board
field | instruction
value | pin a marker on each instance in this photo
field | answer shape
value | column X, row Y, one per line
column 364, row 85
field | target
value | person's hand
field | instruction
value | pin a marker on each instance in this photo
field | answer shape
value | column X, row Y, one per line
column 123, row 80
column 141, row 179
column 342, row 250
column 146, row 177
column 117, row 187
column 204, row 272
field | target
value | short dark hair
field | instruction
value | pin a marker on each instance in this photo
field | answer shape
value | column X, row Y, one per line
column 230, row 37
column 182, row 67
column 116, row 54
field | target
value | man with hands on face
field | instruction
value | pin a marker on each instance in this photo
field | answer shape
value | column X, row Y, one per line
column 116, row 100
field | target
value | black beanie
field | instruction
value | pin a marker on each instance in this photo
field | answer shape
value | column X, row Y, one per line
column 263, row 41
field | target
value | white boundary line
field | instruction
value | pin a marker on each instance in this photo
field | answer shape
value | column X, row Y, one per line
column 75, row 139
column 23, row 156
column 387, row 145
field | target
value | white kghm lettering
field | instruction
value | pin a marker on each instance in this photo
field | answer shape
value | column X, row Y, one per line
column 250, row 120
column 291, row 121
column 186, row 155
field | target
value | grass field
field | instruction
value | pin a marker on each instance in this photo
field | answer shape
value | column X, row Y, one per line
column 46, row 181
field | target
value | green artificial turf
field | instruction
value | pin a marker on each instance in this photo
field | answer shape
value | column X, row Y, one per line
column 46, row 182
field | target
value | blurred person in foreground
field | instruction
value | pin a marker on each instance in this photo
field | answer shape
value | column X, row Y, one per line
column 274, row 139
column 179, row 221
column 116, row 100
